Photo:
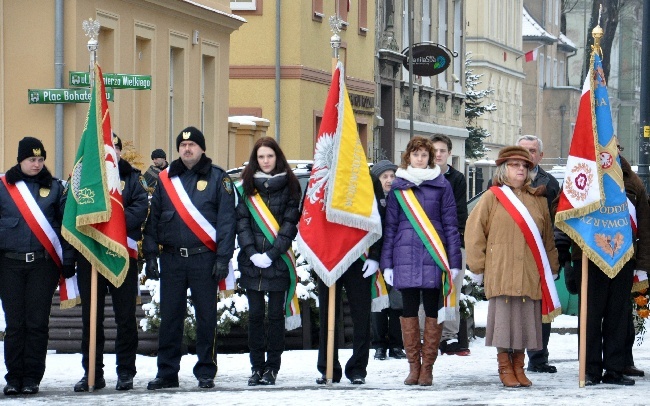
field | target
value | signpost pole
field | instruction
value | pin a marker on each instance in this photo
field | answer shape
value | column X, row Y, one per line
column 411, row 33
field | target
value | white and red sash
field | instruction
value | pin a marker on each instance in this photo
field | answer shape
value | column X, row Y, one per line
column 132, row 247
column 190, row 215
column 36, row 220
column 550, row 301
column 640, row 280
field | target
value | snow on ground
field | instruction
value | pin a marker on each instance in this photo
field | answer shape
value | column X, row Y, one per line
column 457, row 380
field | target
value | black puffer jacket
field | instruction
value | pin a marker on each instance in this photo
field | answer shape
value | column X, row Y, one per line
column 275, row 193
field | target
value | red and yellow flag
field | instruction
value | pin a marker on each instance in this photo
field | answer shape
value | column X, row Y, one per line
column 93, row 220
column 340, row 218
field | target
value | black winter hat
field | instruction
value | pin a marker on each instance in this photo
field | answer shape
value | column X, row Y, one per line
column 158, row 153
column 383, row 166
column 191, row 134
column 29, row 147
column 117, row 141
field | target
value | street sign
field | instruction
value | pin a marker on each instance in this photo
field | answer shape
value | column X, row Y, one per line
column 429, row 59
column 114, row 80
column 53, row 96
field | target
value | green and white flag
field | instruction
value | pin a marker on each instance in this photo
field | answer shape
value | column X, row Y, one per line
column 93, row 220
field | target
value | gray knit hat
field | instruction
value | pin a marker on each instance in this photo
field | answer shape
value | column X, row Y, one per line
column 383, row 166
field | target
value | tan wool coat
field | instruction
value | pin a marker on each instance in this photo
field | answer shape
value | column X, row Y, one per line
column 496, row 246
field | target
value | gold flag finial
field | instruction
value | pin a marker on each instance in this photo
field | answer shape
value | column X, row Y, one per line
column 36, row 151
column 598, row 33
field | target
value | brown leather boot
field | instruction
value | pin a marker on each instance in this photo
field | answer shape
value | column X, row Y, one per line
column 432, row 335
column 518, row 367
column 506, row 373
column 412, row 346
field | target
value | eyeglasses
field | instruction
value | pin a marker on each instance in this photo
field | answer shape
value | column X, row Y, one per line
column 517, row 165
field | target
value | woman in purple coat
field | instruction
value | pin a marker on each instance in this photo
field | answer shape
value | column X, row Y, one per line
column 420, row 239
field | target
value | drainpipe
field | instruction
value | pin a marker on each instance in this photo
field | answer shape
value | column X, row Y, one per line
column 277, row 71
column 58, row 83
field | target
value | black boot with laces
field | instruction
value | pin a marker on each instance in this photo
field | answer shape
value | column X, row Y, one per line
column 269, row 377
column 255, row 379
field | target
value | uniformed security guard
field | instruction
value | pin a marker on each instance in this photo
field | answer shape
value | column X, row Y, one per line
column 135, row 201
column 33, row 255
column 193, row 217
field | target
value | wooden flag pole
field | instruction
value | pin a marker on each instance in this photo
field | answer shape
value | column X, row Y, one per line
column 92, row 343
column 335, row 42
column 583, row 322
column 331, row 323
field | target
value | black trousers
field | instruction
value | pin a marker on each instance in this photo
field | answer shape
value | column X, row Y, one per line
column 176, row 275
column 609, row 305
column 540, row 357
column 386, row 329
column 124, row 304
column 629, row 341
column 357, row 289
column 412, row 298
column 260, row 339
column 26, row 291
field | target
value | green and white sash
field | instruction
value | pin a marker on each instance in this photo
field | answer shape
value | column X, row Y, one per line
column 270, row 227
column 433, row 244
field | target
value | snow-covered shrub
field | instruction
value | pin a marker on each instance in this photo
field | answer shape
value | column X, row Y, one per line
column 470, row 294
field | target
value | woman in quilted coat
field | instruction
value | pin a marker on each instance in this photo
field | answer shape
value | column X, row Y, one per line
column 270, row 188
column 420, row 240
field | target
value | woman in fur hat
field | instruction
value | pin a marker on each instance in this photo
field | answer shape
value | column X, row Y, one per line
column 510, row 233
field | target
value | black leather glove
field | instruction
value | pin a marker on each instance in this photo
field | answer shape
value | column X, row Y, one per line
column 219, row 271
column 563, row 254
column 571, row 276
column 68, row 271
column 152, row 269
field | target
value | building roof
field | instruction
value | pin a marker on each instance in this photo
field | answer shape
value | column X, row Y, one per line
column 531, row 30
column 566, row 44
column 214, row 10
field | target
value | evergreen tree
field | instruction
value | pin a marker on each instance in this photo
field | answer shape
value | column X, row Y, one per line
column 474, row 109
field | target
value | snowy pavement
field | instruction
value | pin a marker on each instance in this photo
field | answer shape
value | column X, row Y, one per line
column 457, row 380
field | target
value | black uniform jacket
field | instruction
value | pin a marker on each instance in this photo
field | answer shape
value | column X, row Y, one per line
column 211, row 191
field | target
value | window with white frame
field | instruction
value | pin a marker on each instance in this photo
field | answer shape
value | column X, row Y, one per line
column 458, row 43
column 426, row 32
column 243, row 4
column 442, row 36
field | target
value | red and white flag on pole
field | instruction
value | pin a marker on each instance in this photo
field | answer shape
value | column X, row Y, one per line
column 531, row 55
column 340, row 217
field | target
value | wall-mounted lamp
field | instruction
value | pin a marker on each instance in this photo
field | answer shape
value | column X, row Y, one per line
column 195, row 37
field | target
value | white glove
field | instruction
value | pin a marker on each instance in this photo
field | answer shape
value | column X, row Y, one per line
column 261, row 260
column 476, row 278
column 454, row 273
column 641, row 275
column 388, row 276
column 370, row 267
